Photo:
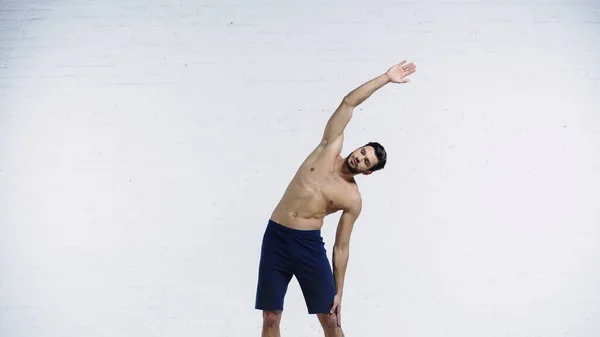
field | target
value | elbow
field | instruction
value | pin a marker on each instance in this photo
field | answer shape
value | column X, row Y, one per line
column 349, row 101
column 341, row 254
column 341, row 248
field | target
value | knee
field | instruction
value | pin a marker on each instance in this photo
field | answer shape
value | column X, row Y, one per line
column 330, row 322
column 271, row 319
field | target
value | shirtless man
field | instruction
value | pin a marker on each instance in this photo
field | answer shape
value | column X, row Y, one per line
column 324, row 184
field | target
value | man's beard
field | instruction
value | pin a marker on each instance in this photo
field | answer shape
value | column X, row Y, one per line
column 349, row 166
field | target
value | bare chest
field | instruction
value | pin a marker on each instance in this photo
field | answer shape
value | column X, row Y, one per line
column 321, row 189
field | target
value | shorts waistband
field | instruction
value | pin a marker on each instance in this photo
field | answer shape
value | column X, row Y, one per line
column 296, row 232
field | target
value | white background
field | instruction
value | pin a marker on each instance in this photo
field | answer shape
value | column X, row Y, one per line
column 144, row 144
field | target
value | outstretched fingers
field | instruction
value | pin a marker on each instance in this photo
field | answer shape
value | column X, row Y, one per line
column 409, row 67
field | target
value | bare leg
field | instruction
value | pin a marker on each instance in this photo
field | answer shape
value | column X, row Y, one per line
column 329, row 324
column 271, row 320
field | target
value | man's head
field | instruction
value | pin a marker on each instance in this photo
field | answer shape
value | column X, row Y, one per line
column 367, row 159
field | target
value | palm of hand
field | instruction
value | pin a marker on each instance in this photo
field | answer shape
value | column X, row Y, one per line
column 398, row 72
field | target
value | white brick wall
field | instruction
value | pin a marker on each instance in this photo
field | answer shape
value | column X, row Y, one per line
column 143, row 145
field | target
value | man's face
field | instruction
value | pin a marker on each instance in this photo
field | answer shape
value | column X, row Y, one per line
column 361, row 160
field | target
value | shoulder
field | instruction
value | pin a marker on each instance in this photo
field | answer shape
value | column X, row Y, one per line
column 354, row 201
column 332, row 148
column 326, row 152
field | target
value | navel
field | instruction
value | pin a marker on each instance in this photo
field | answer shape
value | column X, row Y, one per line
column 312, row 169
column 295, row 214
column 331, row 202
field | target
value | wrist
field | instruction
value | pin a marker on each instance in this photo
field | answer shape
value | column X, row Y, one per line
column 387, row 78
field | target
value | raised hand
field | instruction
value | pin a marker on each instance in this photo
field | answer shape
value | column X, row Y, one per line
column 397, row 73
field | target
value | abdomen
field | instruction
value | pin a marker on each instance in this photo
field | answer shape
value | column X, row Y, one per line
column 301, row 207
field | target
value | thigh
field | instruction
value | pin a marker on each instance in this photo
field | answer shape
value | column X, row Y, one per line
column 271, row 289
column 314, row 274
column 274, row 273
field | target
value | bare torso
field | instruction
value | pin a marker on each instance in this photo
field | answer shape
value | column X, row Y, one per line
column 316, row 191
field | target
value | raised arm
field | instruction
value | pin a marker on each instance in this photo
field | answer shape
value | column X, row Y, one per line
column 342, row 115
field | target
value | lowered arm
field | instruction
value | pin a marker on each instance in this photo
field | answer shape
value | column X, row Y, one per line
column 341, row 247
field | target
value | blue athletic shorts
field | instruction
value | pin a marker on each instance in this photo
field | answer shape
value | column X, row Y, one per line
column 288, row 252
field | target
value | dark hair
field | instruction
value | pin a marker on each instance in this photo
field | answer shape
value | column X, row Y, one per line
column 381, row 156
